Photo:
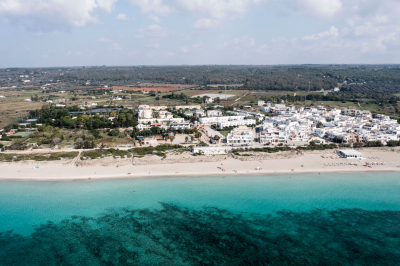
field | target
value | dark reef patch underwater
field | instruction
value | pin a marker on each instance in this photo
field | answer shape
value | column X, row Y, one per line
column 210, row 236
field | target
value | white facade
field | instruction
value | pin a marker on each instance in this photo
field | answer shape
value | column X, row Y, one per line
column 235, row 123
column 216, row 120
column 148, row 112
column 160, row 120
column 188, row 107
column 240, row 136
column 177, row 126
column 213, row 113
column 210, row 150
column 350, row 154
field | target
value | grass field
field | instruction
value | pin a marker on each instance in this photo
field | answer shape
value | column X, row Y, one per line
column 225, row 133
column 14, row 106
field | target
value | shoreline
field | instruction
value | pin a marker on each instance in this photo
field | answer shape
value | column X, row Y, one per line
column 310, row 163
column 179, row 175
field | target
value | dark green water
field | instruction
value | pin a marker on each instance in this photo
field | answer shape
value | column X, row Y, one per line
column 341, row 219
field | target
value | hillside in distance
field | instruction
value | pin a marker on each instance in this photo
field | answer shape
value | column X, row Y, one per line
column 288, row 78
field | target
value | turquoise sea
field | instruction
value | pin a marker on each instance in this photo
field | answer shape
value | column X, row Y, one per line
column 310, row 219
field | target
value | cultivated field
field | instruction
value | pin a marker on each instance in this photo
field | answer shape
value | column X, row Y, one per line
column 157, row 88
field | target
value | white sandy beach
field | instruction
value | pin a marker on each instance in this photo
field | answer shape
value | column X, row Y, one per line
column 305, row 163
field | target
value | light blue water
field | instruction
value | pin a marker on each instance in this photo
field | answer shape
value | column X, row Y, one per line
column 328, row 219
column 25, row 204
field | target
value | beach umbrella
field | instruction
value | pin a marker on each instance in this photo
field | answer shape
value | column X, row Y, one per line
column 37, row 166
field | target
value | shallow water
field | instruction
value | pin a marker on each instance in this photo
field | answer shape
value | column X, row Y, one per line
column 327, row 219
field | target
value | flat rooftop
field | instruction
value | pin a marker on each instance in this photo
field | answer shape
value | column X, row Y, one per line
column 351, row 152
column 222, row 96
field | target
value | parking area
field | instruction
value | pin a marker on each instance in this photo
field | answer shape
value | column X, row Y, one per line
column 212, row 132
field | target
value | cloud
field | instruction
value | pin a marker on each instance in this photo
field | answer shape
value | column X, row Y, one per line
column 115, row 47
column 206, row 23
column 52, row 15
column 122, row 17
column 217, row 9
column 214, row 12
column 245, row 41
column 106, row 5
column 102, row 39
column 153, row 30
column 153, row 45
column 152, row 6
column 333, row 32
column 316, row 8
column 197, row 45
column 155, row 18
column 185, row 49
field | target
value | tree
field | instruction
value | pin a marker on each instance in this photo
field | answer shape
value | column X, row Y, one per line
column 56, row 141
column 171, row 139
column 191, row 138
column 186, row 139
column 79, row 143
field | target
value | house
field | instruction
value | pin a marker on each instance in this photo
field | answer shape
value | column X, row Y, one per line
column 212, row 113
column 177, row 126
column 216, row 120
column 188, row 107
column 240, row 136
column 209, row 150
column 350, row 154
column 261, row 103
column 160, row 120
column 235, row 123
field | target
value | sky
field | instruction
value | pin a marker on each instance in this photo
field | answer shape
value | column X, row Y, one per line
column 46, row 33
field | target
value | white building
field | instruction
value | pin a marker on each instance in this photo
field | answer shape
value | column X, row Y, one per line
column 188, row 107
column 210, row 150
column 148, row 112
column 213, row 113
column 350, row 154
column 217, row 119
column 177, row 126
column 235, row 123
column 209, row 100
column 161, row 120
column 240, row 136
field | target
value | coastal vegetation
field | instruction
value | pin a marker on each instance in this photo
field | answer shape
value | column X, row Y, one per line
column 102, row 153
column 54, row 156
column 159, row 150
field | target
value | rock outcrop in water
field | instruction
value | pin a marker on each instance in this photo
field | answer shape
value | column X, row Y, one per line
column 179, row 236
